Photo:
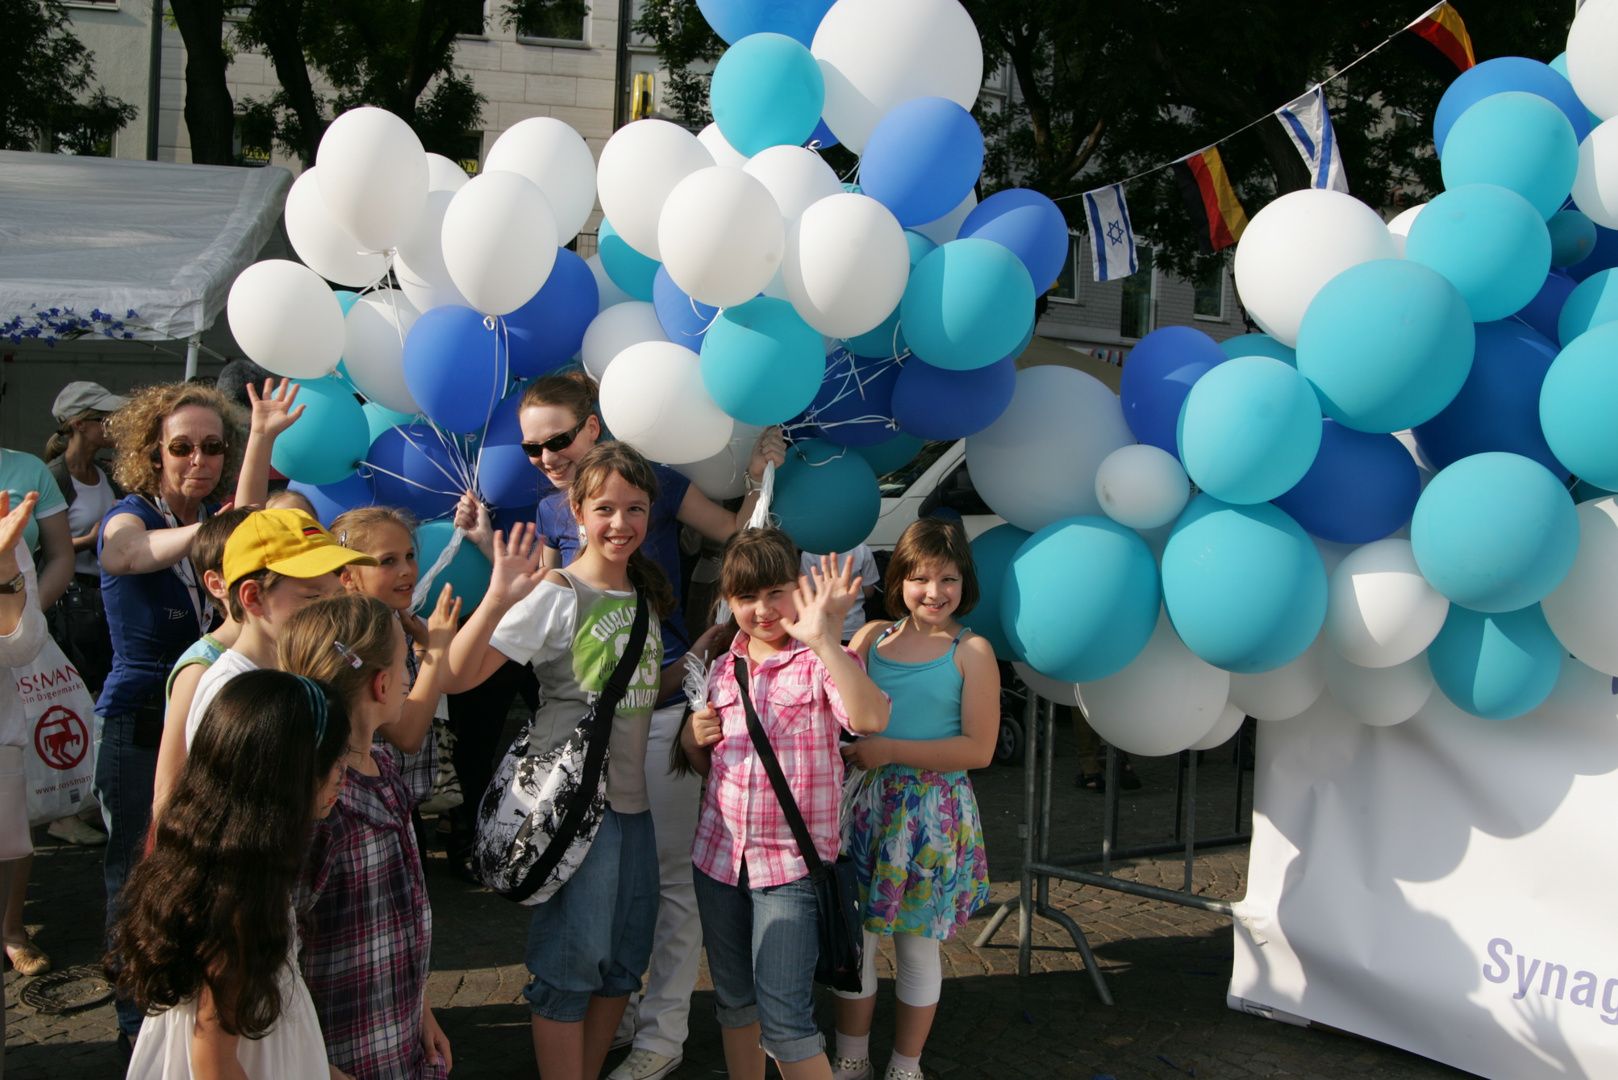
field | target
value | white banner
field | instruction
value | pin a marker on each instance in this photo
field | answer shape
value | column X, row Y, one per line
column 1445, row 886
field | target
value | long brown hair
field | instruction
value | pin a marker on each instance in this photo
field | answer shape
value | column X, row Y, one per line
column 936, row 541
column 607, row 459
column 137, row 431
column 573, row 390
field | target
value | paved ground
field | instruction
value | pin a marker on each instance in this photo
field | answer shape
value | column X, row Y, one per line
column 1168, row 967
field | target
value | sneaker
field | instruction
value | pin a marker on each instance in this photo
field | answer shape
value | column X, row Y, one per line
column 73, row 831
column 896, row 1073
column 646, row 1065
column 843, row 1068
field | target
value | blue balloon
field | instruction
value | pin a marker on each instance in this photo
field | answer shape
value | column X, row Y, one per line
column 733, row 20
column 888, row 339
column 683, row 319
column 1080, row 600
column 329, row 441
column 1255, row 345
column 922, row 159
column 967, row 305
column 467, row 573
column 330, row 500
column 1497, row 76
column 1495, row 665
column 1494, row 532
column 767, row 90
column 822, row 138
column 1573, row 237
column 1244, row 585
column 1545, row 309
column 1028, row 223
column 854, row 405
column 937, row 403
column 826, row 497
column 1498, row 406
column 893, row 455
column 761, row 362
column 1158, row 375
column 547, row 331
column 1387, row 344
column 380, row 418
column 1577, row 404
column 992, row 552
column 1604, row 256
column 455, row 367
column 411, row 467
column 1519, row 141
column 1250, row 430
column 1592, row 302
column 1489, row 241
column 505, row 475
column 1360, row 488
column 629, row 269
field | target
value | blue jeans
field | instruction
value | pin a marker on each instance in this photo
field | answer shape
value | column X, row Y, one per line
column 762, row 946
column 594, row 936
column 124, row 780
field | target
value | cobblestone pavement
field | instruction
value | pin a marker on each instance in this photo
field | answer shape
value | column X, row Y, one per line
column 1167, row 966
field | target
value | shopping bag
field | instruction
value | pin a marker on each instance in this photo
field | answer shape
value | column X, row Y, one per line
column 59, row 752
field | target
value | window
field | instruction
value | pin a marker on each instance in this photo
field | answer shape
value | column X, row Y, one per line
column 553, row 20
column 248, row 152
column 1210, row 295
column 1140, row 289
column 1066, row 288
column 469, row 17
column 468, row 152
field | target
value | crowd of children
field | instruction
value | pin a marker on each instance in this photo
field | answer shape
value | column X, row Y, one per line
column 278, row 924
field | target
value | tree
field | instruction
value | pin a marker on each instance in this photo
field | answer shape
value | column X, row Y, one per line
column 210, row 115
column 47, row 68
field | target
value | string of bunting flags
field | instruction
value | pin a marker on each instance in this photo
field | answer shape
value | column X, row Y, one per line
column 1437, row 38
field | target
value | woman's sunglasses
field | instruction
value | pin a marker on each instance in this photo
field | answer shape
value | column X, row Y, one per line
column 556, row 443
column 184, row 448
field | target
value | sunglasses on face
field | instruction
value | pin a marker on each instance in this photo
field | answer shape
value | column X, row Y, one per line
column 184, row 448
column 556, row 443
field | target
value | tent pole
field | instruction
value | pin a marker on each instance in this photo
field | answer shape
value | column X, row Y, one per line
column 191, row 346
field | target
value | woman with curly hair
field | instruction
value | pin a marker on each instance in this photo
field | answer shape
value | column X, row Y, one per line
column 179, row 445
column 205, row 947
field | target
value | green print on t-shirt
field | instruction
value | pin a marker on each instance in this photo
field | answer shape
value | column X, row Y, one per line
column 602, row 636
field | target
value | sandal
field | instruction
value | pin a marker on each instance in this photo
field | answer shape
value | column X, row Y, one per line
column 27, row 958
column 1091, row 781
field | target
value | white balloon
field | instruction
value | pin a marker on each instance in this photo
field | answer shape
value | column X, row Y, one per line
column 286, row 319
column 846, row 263
column 1163, row 702
column 611, row 295
column 876, row 54
column 616, row 329
column 373, row 348
column 652, row 397
column 1284, row 692
column 795, row 177
column 321, row 243
column 419, row 264
column 1592, row 41
column 1583, row 610
column 640, row 165
column 557, row 160
column 1063, row 693
column 1332, row 553
column 723, row 153
column 372, row 175
column 724, row 476
column 1228, row 724
column 1037, row 463
column 948, row 227
column 1378, row 697
column 1295, row 245
column 444, row 174
column 1380, row 611
column 1595, row 186
column 1142, row 486
column 1399, row 227
column 721, row 236
column 499, row 241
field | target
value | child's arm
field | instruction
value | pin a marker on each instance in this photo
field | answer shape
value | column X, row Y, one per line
column 470, row 659
column 673, row 676
column 171, row 750
column 973, row 748
column 433, row 1037
column 416, row 718
column 697, row 738
column 823, row 598
column 272, row 414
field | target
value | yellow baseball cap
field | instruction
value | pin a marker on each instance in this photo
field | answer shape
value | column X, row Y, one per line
column 289, row 542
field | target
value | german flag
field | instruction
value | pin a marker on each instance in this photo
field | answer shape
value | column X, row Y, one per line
column 1439, row 40
column 1211, row 200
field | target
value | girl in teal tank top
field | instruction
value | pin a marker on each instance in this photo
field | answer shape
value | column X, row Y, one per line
column 910, row 820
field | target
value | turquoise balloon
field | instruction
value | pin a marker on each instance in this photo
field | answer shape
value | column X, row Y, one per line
column 1387, row 344
column 629, row 269
column 897, row 452
column 826, row 497
column 1259, row 345
column 967, row 305
column 1244, row 585
column 761, row 362
column 1584, row 491
column 888, row 339
column 1578, row 403
column 1592, row 302
column 992, row 552
column 1080, row 600
column 1495, row 666
column 1519, row 141
column 329, row 440
column 1249, row 430
column 467, row 573
column 1573, row 237
column 767, row 90
column 380, row 418
column 346, row 298
column 1489, row 241
column 1495, row 532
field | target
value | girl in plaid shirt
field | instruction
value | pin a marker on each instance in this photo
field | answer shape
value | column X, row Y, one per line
column 759, row 918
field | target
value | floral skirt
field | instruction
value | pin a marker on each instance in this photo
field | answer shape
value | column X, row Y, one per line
column 917, row 845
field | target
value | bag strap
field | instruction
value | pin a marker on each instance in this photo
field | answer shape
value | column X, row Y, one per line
column 778, row 780
column 599, row 727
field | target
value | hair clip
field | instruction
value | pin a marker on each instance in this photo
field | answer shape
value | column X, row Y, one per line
column 352, row 657
column 342, row 538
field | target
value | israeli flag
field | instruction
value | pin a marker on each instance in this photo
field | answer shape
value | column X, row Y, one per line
column 1308, row 125
column 1112, row 241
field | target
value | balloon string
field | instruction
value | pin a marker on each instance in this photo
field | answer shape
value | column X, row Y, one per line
column 366, row 466
column 502, row 332
column 424, row 583
column 454, row 458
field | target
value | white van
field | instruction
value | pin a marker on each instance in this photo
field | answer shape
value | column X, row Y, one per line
column 937, row 478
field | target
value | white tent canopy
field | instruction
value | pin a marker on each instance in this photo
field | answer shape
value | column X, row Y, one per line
column 163, row 240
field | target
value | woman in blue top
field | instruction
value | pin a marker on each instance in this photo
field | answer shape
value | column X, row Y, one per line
column 911, row 824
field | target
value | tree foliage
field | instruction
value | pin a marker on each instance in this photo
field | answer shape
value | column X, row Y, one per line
column 47, row 70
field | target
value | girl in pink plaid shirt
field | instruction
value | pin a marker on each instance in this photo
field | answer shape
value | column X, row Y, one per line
column 759, row 918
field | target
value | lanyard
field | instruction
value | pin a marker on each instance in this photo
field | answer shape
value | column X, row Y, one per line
column 201, row 603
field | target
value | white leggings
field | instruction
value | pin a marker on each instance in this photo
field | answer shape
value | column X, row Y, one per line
column 920, row 975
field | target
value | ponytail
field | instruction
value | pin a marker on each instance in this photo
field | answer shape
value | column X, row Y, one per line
column 57, row 444
column 649, row 577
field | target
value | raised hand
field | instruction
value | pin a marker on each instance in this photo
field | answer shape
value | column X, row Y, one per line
column 12, row 524
column 273, row 412
column 442, row 623
column 518, row 565
column 823, row 598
